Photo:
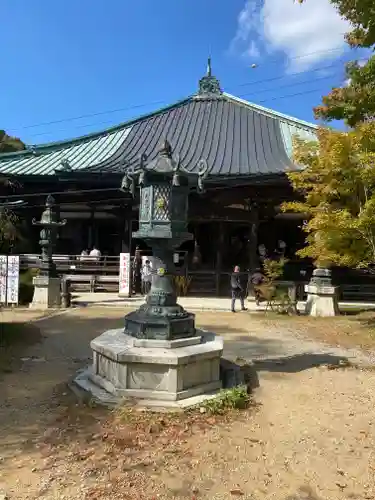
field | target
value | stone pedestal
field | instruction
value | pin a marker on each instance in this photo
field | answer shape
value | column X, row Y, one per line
column 47, row 292
column 155, row 373
column 321, row 295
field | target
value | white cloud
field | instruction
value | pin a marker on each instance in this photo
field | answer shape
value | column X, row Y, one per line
column 307, row 33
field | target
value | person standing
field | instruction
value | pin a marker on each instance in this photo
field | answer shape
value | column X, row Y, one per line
column 84, row 255
column 146, row 277
column 95, row 253
column 237, row 289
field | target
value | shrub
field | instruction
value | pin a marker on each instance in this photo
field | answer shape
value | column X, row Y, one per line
column 274, row 269
column 26, row 287
column 236, row 398
column 182, row 284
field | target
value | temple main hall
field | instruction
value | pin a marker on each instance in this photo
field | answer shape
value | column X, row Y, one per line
column 248, row 152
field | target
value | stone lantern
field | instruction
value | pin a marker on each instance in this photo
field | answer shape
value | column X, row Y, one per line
column 164, row 191
column 159, row 359
column 47, row 284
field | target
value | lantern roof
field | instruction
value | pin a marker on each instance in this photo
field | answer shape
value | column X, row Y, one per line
column 165, row 163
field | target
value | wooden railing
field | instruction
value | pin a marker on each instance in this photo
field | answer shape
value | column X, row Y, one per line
column 76, row 264
column 95, row 274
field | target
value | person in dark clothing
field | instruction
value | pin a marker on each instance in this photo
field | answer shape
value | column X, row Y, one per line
column 237, row 289
column 256, row 280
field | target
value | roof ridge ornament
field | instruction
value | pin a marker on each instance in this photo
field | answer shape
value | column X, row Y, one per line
column 64, row 166
column 209, row 85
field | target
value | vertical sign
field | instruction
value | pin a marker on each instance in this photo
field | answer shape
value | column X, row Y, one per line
column 13, row 279
column 124, row 274
column 3, row 278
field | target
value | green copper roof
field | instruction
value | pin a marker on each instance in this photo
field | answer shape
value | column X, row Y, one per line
column 78, row 154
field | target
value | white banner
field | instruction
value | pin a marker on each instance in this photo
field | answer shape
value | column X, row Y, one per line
column 3, row 278
column 13, row 280
column 124, row 275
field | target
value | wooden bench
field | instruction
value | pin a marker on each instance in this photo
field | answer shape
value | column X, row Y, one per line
column 102, row 281
column 92, row 281
column 80, row 279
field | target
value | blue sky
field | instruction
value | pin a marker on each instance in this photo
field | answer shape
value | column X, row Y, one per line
column 64, row 59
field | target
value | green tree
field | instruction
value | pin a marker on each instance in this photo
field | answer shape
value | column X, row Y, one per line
column 337, row 192
column 10, row 234
column 10, row 144
column 354, row 102
column 361, row 15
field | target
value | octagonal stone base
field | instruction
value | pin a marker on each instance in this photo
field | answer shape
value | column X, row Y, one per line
column 156, row 373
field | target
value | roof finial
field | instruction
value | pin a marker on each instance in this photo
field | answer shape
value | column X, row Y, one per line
column 209, row 69
column 209, row 85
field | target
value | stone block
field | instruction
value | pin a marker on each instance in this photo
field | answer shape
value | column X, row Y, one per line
column 156, row 370
column 47, row 292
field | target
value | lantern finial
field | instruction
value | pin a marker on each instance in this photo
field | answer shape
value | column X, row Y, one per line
column 166, row 149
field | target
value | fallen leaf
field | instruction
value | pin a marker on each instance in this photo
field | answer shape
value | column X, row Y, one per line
column 237, row 492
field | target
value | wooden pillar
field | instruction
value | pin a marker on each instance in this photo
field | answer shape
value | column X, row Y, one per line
column 91, row 236
column 125, row 240
column 130, row 233
column 219, row 255
column 253, row 237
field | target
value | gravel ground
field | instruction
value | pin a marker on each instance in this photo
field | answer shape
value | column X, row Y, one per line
column 311, row 435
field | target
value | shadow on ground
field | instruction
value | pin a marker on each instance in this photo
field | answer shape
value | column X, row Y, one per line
column 298, row 362
column 15, row 339
column 367, row 321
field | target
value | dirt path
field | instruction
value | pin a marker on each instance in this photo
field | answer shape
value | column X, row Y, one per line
column 312, row 436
